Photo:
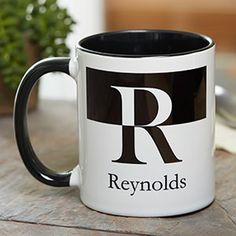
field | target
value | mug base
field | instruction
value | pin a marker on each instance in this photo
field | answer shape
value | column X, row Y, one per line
column 178, row 212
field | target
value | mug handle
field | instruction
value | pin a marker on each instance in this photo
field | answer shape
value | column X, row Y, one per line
column 30, row 159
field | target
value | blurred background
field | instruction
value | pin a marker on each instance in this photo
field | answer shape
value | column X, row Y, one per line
column 214, row 18
column 89, row 17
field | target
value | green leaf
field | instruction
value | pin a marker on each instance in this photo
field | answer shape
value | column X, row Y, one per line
column 45, row 24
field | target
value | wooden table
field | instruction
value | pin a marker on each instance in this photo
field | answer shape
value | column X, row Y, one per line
column 28, row 207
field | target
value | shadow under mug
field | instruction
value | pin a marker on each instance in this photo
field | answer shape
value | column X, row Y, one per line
column 146, row 107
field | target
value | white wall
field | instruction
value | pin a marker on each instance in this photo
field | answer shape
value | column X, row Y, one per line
column 89, row 15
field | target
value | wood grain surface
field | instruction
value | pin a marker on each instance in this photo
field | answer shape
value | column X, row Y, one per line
column 8, row 228
column 27, row 205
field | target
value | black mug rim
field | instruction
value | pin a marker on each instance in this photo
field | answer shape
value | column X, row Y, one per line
column 82, row 43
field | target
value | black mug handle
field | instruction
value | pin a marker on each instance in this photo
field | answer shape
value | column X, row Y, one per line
column 30, row 159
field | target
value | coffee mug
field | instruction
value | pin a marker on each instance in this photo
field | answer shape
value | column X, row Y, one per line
column 146, row 109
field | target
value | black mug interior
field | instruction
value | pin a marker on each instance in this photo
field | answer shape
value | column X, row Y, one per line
column 139, row 43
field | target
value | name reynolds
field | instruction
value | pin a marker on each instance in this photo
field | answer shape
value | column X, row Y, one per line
column 132, row 186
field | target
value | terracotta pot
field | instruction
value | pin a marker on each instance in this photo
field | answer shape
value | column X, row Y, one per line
column 7, row 95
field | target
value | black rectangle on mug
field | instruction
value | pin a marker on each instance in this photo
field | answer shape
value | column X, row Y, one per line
column 186, row 90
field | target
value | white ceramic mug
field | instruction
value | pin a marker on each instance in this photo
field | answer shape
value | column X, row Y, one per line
column 146, row 108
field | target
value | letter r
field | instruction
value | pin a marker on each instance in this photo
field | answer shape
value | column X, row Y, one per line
column 164, row 104
column 128, row 105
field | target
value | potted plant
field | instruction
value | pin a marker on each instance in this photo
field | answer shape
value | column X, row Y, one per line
column 29, row 31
